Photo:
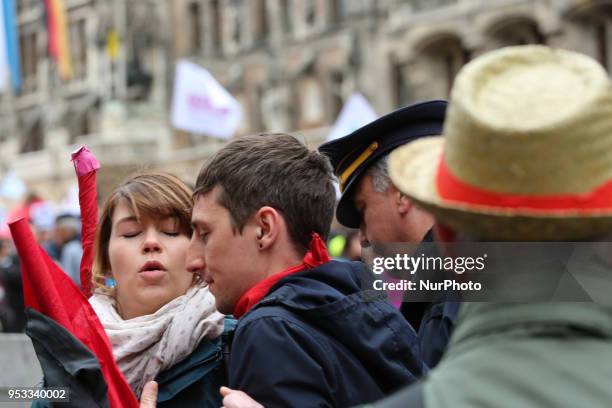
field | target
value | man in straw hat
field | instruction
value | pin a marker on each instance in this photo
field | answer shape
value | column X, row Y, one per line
column 525, row 157
column 382, row 213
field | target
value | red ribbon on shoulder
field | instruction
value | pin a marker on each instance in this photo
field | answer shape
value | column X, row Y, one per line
column 316, row 255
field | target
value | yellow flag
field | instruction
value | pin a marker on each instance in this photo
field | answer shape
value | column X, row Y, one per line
column 112, row 44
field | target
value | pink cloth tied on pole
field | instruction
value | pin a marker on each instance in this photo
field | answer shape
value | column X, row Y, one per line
column 84, row 161
column 85, row 165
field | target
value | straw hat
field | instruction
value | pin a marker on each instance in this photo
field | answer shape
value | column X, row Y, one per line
column 526, row 152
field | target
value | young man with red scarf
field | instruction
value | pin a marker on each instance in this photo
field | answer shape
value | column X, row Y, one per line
column 307, row 334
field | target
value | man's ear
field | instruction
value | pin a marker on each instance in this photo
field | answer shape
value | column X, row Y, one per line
column 402, row 201
column 269, row 223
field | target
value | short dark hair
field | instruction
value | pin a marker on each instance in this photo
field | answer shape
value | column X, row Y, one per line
column 276, row 170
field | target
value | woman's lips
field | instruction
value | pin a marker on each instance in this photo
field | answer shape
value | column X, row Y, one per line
column 152, row 270
column 152, row 275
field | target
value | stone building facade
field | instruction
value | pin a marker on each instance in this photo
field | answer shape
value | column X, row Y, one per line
column 115, row 101
column 291, row 64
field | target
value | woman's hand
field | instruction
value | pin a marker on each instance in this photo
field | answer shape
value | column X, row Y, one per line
column 236, row 399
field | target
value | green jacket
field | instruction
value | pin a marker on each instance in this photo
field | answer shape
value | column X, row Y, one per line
column 521, row 355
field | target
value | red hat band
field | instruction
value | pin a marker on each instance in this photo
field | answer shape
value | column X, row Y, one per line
column 451, row 188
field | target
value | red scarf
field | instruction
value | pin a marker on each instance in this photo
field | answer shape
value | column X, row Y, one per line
column 316, row 255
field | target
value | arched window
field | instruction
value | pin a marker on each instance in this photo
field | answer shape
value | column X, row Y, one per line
column 31, row 129
column 310, row 103
column 276, row 103
column 431, row 72
column 515, row 31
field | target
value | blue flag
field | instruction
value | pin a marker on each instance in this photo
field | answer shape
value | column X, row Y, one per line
column 12, row 43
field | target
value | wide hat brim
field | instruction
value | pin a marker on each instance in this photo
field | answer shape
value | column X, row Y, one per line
column 413, row 170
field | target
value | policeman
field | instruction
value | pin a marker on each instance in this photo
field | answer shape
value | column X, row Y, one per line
column 384, row 214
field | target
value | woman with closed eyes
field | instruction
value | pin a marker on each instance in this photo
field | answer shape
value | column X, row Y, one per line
column 160, row 319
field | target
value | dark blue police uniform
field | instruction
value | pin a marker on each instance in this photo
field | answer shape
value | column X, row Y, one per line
column 351, row 156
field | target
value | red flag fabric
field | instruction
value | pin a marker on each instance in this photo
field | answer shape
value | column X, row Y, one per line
column 52, row 30
column 85, row 165
column 50, row 291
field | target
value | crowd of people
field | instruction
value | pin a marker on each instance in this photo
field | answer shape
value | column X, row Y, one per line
column 58, row 232
column 227, row 294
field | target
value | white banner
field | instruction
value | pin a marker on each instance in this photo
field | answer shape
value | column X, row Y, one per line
column 201, row 105
column 355, row 113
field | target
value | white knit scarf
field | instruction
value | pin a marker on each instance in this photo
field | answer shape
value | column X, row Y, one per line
column 147, row 345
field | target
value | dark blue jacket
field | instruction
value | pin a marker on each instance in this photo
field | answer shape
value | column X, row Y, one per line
column 318, row 340
column 195, row 381
column 66, row 362
column 435, row 330
column 435, row 319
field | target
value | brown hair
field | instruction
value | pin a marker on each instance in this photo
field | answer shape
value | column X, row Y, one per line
column 273, row 170
column 151, row 195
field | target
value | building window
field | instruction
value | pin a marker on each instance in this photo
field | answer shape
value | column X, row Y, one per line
column 244, row 127
column 276, row 109
column 78, row 48
column 309, row 16
column 236, row 30
column 28, row 60
column 310, row 13
column 602, row 31
column 257, row 111
column 195, row 25
column 33, row 137
column 216, row 22
column 232, row 13
column 516, row 32
column 310, row 99
column 285, row 15
column 261, row 20
column 595, row 22
column 81, row 122
column 337, row 82
column 334, row 14
column 139, row 80
column 431, row 73
column 403, row 95
column 445, row 58
column 79, row 127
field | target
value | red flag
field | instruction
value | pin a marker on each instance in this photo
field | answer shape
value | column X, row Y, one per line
column 49, row 290
column 85, row 165
column 51, row 30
